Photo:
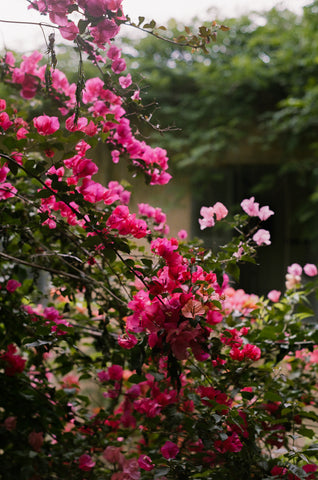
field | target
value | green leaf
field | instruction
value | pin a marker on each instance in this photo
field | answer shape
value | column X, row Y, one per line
column 160, row 472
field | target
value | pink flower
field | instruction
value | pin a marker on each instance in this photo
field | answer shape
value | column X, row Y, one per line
column 295, row 269
column 145, row 463
column 118, row 65
column 113, row 455
column 125, row 82
column 7, row 191
column 264, row 213
column 104, row 32
column 136, row 95
column 262, row 237
column 169, row 450
column 14, row 363
column 12, row 285
column 274, row 295
column 310, row 269
column 208, row 217
column 86, row 463
column 113, row 52
column 250, row 207
column 182, row 234
column 127, row 341
column 231, row 444
column 46, row 125
column 115, row 372
column 5, row 121
column 69, row 31
column 74, row 127
column 22, row 133
column 220, row 210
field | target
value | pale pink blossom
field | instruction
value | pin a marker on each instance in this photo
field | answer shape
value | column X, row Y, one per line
column 220, row 210
column 208, row 217
column 292, row 281
column 182, row 234
column 274, row 295
column 262, row 237
column 136, row 95
column 125, row 82
column 310, row 269
column 264, row 213
column 250, row 207
column 295, row 269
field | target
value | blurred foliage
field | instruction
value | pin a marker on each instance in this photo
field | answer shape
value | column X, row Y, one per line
column 251, row 100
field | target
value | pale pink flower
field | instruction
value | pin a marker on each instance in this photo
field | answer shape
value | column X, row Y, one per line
column 125, row 82
column 208, row 217
column 182, row 234
column 274, row 295
column 295, row 269
column 264, row 213
column 292, row 281
column 136, row 95
column 220, row 210
column 310, row 269
column 250, row 207
column 262, row 237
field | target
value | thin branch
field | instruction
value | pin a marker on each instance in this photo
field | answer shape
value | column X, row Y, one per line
column 38, row 24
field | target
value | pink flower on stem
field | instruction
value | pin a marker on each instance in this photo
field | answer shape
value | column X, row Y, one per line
column 125, row 82
column 69, row 31
column 250, row 207
column 295, row 269
column 262, row 237
column 14, row 363
column 86, row 463
column 264, row 213
column 274, row 295
column 208, row 217
column 127, row 341
column 118, row 65
column 145, row 463
column 218, row 210
column 104, row 32
column 310, row 269
column 12, row 285
column 182, row 234
column 46, row 125
column 169, row 450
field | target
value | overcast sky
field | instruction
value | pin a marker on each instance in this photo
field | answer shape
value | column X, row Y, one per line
column 23, row 38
